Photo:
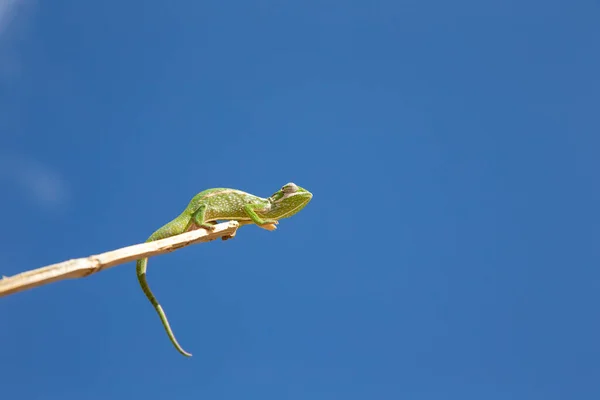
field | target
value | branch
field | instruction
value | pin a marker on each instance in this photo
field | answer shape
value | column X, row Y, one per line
column 82, row 267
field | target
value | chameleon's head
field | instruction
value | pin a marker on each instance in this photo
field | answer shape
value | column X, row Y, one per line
column 288, row 200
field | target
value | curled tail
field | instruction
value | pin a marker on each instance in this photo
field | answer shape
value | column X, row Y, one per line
column 141, row 274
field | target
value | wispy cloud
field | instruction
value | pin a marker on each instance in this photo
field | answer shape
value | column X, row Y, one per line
column 34, row 180
column 8, row 11
column 13, row 22
column 37, row 181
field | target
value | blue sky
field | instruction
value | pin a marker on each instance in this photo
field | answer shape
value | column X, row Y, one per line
column 451, row 247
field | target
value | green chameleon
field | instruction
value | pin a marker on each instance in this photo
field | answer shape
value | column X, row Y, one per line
column 212, row 205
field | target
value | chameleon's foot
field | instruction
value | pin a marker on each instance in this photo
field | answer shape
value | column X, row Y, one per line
column 270, row 226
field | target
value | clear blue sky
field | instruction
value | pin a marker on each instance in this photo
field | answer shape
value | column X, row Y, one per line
column 451, row 247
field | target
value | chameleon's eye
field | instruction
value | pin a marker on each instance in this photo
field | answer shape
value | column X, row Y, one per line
column 289, row 188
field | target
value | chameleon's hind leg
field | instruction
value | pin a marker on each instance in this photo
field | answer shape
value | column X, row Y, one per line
column 199, row 219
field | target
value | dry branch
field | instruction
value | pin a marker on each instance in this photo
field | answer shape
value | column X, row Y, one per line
column 82, row 267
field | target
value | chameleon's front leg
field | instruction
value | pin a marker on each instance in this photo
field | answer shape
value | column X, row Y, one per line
column 268, row 223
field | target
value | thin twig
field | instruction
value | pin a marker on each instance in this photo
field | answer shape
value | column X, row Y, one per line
column 82, row 267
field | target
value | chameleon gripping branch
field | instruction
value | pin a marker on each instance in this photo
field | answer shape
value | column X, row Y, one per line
column 82, row 267
column 196, row 223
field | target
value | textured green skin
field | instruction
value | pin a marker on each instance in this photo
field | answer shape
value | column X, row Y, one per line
column 212, row 205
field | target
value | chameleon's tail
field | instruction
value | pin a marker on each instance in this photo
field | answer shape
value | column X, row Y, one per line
column 141, row 274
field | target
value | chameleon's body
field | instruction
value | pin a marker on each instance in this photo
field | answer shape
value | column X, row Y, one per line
column 212, row 205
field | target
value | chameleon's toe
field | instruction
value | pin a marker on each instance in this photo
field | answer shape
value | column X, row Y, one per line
column 269, row 226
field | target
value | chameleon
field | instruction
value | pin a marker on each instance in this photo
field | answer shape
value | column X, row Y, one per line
column 218, row 204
